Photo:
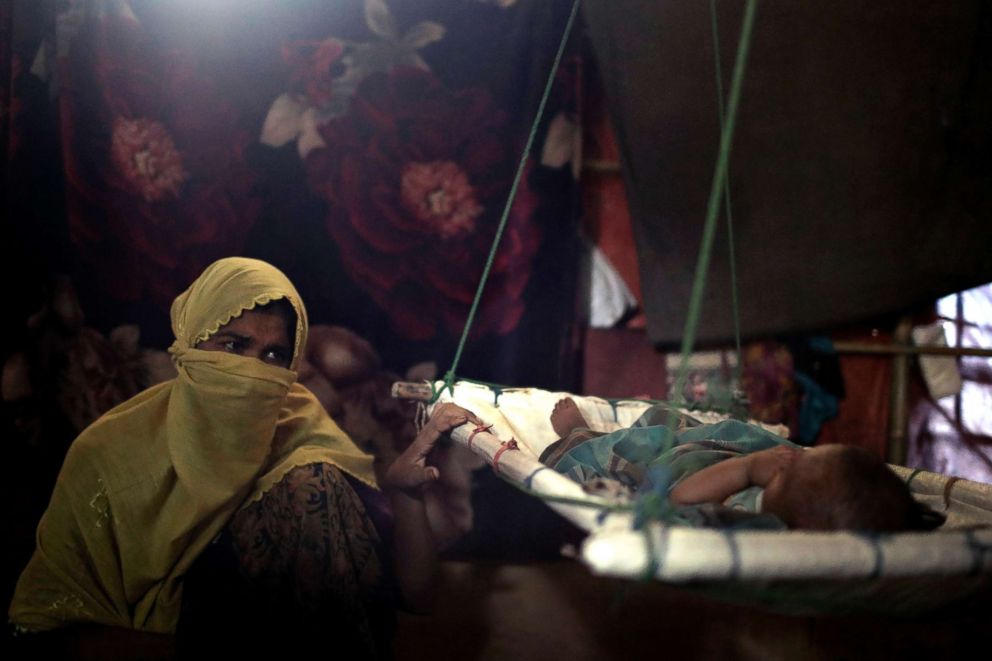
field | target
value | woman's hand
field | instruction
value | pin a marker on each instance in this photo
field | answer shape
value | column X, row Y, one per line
column 410, row 471
column 416, row 555
column 764, row 464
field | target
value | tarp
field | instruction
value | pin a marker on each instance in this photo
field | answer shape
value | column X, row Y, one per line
column 859, row 171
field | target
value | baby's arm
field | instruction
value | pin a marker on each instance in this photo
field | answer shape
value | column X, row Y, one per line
column 716, row 483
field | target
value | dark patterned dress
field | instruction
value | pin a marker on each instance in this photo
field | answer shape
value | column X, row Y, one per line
column 303, row 569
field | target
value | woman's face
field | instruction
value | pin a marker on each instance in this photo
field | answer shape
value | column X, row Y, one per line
column 260, row 334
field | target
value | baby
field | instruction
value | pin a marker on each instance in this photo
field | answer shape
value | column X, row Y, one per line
column 831, row 487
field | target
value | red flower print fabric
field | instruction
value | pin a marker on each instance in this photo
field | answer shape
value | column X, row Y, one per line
column 158, row 184
column 416, row 176
column 365, row 147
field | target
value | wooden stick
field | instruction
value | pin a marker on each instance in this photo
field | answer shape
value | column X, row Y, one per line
column 866, row 347
column 420, row 392
column 899, row 394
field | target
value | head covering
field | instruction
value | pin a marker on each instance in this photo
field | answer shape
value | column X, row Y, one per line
column 147, row 486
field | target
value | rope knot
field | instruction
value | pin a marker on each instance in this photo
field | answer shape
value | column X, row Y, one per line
column 504, row 446
column 480, row 428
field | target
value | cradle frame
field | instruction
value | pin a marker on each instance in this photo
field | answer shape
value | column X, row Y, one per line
column 959, row 555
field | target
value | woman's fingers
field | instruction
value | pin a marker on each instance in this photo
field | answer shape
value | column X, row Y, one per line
column 448, row 416
column 410, row 469
column 445, row 418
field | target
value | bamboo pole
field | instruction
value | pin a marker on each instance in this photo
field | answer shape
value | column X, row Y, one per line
column 867, row 348
column 899, row 404
column 418, row 391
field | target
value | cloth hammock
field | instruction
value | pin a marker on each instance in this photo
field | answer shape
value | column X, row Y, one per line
column 791, row 571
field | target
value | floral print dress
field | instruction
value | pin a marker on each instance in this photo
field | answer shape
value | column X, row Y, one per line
column 302, row 569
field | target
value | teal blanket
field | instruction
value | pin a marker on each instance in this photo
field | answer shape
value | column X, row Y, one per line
column 650, row 458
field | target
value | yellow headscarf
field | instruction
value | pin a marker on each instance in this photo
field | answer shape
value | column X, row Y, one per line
column 146, row 487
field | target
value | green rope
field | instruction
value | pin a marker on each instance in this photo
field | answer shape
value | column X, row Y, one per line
column 567, row 500
column 913, row 475
column 499, row 388
column 727, row 205
column 720, row 185
column 449, row 377
column 651, row 565
column 716, row 190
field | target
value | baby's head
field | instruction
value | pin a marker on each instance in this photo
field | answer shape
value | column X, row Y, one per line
column 841, row 487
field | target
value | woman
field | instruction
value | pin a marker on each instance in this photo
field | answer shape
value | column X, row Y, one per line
column 152, row 484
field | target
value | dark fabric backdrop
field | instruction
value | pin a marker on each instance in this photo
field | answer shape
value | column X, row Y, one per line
column 366, row 148
column 861, row 167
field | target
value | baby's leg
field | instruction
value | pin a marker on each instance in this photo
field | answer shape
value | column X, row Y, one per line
column 566, row 418
column 572, row 429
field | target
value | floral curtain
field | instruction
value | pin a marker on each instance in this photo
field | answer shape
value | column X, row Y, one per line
column 365, row 147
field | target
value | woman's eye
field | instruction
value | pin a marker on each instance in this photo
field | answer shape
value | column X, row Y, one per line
column 232, row 346
column 276, row 356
